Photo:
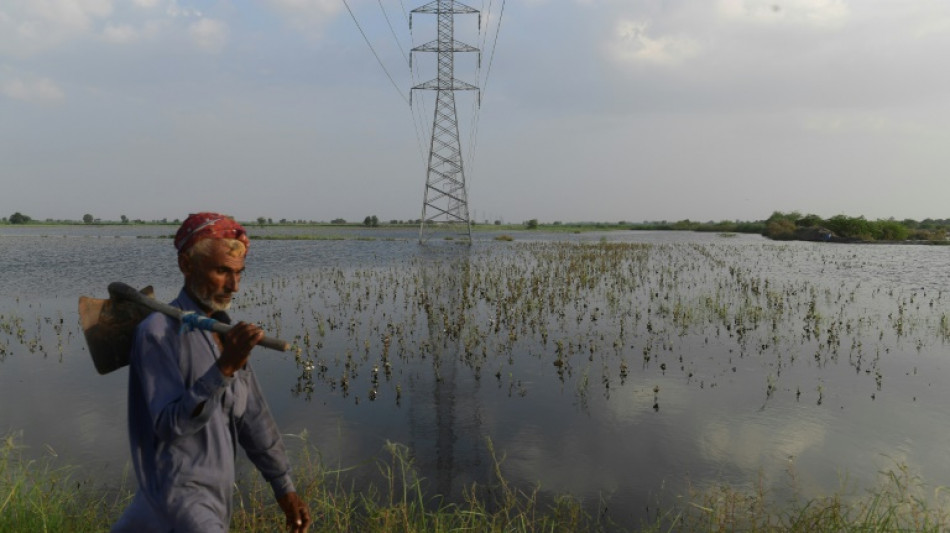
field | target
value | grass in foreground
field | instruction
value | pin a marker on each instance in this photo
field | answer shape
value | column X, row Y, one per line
column 900, row 502
column 36, row 496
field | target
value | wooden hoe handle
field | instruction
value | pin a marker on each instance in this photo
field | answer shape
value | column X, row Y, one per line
column 120, row 291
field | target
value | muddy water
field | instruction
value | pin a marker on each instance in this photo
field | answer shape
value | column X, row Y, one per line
column 620, row 367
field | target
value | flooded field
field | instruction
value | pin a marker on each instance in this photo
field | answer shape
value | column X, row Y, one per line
column 625, row 367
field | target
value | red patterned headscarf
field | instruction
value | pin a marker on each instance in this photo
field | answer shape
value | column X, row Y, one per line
column 208, row 226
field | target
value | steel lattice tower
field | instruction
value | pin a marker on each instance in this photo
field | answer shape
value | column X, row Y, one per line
column 446, row 198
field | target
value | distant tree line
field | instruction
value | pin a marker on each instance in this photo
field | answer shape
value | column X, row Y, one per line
column 779, row 226
column 841, row 228
column 722, row 226
column 88, row 218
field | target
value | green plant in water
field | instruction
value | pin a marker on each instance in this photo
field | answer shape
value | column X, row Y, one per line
column 945, row 327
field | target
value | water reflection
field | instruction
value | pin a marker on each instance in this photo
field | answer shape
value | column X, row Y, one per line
column 624, row 371
column 445, row 425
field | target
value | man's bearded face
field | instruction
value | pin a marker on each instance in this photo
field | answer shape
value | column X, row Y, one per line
column 214, row 278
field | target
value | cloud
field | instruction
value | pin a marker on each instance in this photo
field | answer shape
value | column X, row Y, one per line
column 31, row 26
column 307, row 15
column 37, row 91
column 756, row 444
column 127, row 33
column 120, row 34
column 817, row 13
column 173, row 10
column 633, row 43
column 935, row 26
column 210, row 35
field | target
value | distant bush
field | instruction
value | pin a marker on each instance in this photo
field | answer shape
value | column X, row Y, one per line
column 19, row 218
column 937, row 235
column 850, row 227
column 789, row 226
column 685, row 224
column 780, row 230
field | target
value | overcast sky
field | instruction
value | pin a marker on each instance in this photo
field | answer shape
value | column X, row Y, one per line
column 601, row 110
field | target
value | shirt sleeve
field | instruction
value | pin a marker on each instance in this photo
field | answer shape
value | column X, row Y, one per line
column 171, row 403
column 261, row 440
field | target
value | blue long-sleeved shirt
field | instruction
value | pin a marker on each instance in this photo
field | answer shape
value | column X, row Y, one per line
column 185, row 421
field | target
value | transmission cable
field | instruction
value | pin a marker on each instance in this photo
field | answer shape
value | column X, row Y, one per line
column 494, row 46
column 491, row 59
column 380, row 61
column 480, row 45
column 393, row 31
column 419, row 110
column 417, row 123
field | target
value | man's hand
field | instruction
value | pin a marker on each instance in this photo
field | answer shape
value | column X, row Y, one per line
column 297, row 512
column 236, row 346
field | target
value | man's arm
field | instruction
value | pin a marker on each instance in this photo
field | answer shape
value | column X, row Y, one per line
column 175, row 409
column 261, row 440
column 296, row 511
column 258, row 434
column 236, row 346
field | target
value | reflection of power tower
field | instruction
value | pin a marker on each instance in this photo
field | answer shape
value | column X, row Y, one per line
column 445, row 419
column 446, row 199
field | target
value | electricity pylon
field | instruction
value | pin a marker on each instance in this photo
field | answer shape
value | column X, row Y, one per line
column 446, row 197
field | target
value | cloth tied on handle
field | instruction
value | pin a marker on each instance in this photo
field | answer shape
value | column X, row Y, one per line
column 234, row 399
column 192, row 321
column 207, row 225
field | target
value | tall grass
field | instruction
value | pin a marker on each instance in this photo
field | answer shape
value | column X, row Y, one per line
column 399, row 503
column 900, row 502
column 36, row 495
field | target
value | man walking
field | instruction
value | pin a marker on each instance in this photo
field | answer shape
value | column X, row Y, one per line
column 193, row 399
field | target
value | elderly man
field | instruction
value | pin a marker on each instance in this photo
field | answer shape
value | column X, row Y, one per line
column 193, row 398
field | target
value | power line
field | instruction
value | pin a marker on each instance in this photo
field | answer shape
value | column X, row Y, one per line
column 368, row 43
column 491, row 58
column 494, row 46
column 476, row 107
column 418, row 111
column 393, row 31
column 417, row 123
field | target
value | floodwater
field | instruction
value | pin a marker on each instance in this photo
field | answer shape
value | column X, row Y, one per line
column 621, row 367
